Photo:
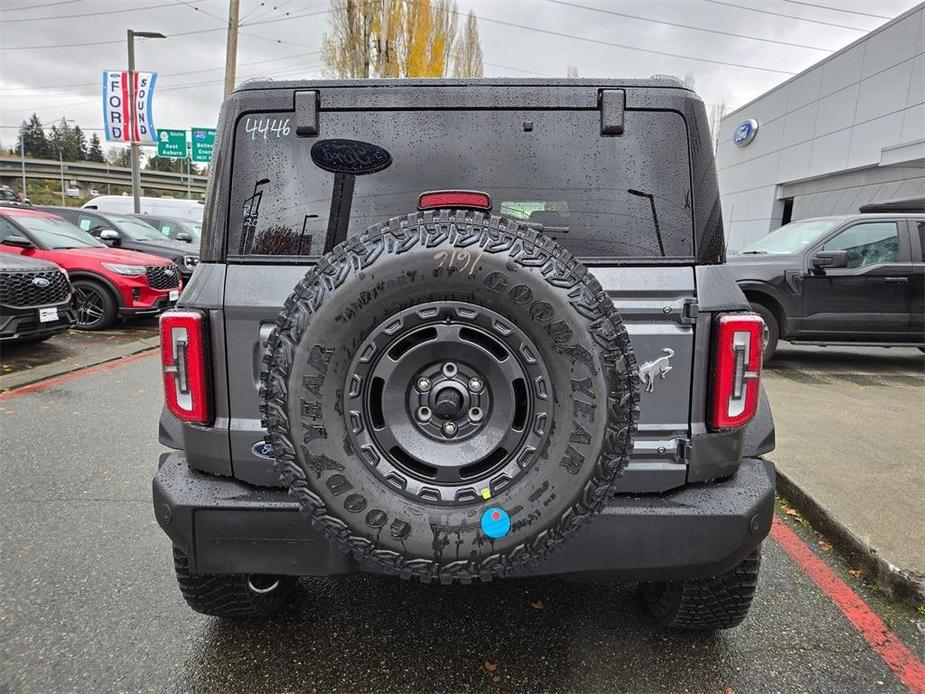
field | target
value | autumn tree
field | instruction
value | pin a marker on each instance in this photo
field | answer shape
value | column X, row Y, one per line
column 467, row 57
column 393, row 38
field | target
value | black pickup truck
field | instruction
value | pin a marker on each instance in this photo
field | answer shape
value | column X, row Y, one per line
column 851, row 279
column 465, row 330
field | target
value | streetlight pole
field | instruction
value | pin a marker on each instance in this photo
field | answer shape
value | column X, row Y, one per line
column 64, row 122
column 22, row 152
column 136, row 171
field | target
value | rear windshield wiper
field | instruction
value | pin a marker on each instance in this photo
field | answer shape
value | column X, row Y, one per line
column 658, row 231
column 546, row 228
column 754, row 252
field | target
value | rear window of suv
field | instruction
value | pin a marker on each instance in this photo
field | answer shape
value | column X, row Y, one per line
column 600, row 197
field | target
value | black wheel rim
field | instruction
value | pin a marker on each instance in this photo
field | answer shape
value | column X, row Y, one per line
column 90, row 305
column 448, row 402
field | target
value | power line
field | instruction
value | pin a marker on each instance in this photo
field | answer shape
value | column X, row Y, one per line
column 838, row 9
column 35, row 7
column 267, row 11
column 787, row 16
column 517, row 69
column 686, row 26
column 163, row 75
column 207, row 14
column 171, row 88
column 613, row 44
column 284, row 19
column 93, row 14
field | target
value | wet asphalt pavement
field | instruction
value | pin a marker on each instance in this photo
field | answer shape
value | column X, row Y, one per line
column 88, row 600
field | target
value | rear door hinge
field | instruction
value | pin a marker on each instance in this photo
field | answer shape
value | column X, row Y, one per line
column 684, row 451
column 689, row 311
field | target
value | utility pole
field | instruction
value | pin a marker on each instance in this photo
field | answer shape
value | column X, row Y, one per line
column 231, row 52
column 22, row 152
column 61, row 165
column 136, row 171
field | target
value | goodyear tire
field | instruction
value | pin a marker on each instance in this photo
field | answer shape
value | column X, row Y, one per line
column 449, row 396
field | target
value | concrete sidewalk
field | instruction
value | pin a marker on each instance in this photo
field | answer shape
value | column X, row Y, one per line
column 71, row 351
column 851, row 453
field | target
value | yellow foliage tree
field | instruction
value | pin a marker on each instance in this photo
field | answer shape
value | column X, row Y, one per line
column 393, row 38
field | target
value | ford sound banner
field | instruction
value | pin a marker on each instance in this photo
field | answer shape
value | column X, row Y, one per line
column 122, row 123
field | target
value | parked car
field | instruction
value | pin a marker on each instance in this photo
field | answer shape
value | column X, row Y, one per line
column 8, row 196
column 124, row 204
column 510, row 349
column 35, row 299
column 107, row 282
column 851, row 279
column 124, row 231
column 174, row 228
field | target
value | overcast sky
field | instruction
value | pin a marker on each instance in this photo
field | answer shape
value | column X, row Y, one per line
column 42, row 71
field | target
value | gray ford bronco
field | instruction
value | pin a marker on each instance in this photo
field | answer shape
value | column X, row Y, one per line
column 457, row 331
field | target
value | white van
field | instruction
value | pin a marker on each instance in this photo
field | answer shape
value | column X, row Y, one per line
column 171, row 207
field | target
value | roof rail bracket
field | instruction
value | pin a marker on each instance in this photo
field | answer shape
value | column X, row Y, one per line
column 306, row 114
column 613, row 104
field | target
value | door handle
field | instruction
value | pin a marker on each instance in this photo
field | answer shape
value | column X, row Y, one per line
column 896, row 280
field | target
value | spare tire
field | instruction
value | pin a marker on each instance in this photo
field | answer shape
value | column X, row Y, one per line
column 449, row 396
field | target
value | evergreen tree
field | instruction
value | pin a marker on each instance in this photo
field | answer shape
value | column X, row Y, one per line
column 32, row 133
column 95, row 152
column 80, row 144
column 55, row 142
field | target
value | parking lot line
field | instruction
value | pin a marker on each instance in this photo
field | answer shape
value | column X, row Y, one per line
column 79, row 373
column 904, row 664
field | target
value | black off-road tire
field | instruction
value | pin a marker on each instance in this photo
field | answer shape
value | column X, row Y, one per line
column 705, row 604
column 231, row 595
column 773, row 330
column 449, row 265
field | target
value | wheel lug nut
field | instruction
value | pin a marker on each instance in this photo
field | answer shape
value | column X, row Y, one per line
column 449, row 429
column 476, row 385
column 423, row 384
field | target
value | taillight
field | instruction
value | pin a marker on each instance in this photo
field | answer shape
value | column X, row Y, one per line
column 184, row 360
column 736, row 369
column 454, row 198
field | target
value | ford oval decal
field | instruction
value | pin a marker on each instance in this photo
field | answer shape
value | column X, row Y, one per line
column 262, row 449
column 41, row 282
column 745, row 133
column 350, row 157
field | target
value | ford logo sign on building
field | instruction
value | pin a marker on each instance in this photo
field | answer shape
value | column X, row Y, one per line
column 745, row 133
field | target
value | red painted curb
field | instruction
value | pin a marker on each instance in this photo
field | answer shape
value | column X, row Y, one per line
column 79, row 373
column 903, row 663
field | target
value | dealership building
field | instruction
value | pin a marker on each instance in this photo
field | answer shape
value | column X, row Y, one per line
column 845, row 133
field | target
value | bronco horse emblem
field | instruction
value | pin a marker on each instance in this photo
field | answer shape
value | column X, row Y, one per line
column 657, row 367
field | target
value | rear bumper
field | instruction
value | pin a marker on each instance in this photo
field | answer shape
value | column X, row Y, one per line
column 702, row 530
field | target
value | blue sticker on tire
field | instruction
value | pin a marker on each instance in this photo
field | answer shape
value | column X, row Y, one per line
column 496, row 523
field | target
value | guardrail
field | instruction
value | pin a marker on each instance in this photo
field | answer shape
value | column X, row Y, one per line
column 102, row 174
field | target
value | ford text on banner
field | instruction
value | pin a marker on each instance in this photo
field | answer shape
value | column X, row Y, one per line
column 122, row 123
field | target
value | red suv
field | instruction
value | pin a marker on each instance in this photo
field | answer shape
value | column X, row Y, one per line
column 107, row 281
